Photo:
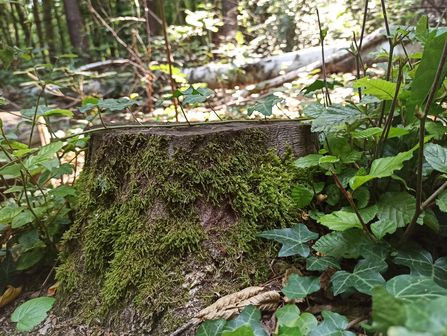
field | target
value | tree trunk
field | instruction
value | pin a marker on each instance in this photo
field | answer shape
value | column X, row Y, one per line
column 48, row 27
column 75, row 26
column 169, row 217
column 25, row 26
column 14, row 24
column 38, row 23
column 229, row 13
column 4, row 24
column 154, row 17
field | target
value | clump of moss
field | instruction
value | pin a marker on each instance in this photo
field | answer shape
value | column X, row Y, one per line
column 138, row 230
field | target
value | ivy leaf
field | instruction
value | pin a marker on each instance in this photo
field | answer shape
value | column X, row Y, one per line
column 302, row 196
column 265, row 106
column 382, row 167
column 306, row 323
column 333, row 325
column 387, row 311
column 397, row 207
column 211, row 328
column 243, row 330
column 411, row 288
column 30, row 258
column 31, row 313
column 194, row 96
column 430, row 317
column 249, row 316
column 436, row 157
column 293, row 239
column 364, row 278
column 379, row 88
column 311, row 160
column 288, row 315
column 299, row 287
column 322, row 263
column 420, row 262
column 45, row 153
column 332, row 117
column 119, row 104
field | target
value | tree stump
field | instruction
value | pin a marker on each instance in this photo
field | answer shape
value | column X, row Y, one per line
column 168, row 220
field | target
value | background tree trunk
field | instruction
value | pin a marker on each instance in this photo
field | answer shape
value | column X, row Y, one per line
column 75, row 26
column 38, row 24
column 229, row 12
column 48, row 27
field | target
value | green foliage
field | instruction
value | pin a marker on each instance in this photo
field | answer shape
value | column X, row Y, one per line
column 31, row 313
column 293, row 240
column 299, row 287
column 265, row 106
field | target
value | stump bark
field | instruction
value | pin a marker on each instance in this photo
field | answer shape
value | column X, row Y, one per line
column 168, row 220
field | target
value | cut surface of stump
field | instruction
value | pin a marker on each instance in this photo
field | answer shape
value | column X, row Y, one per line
column 168, row 219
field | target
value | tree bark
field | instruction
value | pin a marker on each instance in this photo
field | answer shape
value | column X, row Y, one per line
column 229, row 13
column 14, row 24
column 25, row 26
column 48, row 27
column 154, row 17
column 75, row 26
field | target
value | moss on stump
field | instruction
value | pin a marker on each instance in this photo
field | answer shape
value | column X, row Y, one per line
column 168, row 218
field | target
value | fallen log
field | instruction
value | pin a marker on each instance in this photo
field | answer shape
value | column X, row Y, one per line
column 169, row 217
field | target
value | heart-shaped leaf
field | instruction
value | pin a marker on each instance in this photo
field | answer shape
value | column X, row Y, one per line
column 299, row 287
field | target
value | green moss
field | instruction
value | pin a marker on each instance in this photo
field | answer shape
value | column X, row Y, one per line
column 138, row 230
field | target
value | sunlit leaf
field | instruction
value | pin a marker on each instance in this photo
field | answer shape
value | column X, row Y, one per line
column 31, row 313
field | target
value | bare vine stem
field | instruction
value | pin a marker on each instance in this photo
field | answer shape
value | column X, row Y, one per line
column 431, row 96
column 328, row 97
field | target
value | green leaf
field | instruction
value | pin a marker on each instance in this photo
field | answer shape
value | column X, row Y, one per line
column 249, row 316
column 288, row 315
column 331, row 118
column 441, row 201
column 379, row 88
column 23, row 218
column 361, row 196
column 311, row 160
column 367, row 133
column 347, row 244
column 382, row 167
column 194, row 96
column 396, row 207
column 299, row 287
column 328, row 159
column 58, row 112
column 342, row 220
column 436, row 157
column 265, row 106
column 44, row 154
column 425, row 74
column 30, row 258
column 411, row 288
column 387, row 311
column 333, row 325
column 322, row 263
column 293, row 239
column 211, row 328
column 243, row 330
column 306, row 323
column 8, row 212
column 31, row 313
column 430, row 317
column 62, row 191
column 420, row 262
column 437, row 129
column 382, row 227
column 119, row 104
column 302, row 196
column 421, row 31
column 364, row 278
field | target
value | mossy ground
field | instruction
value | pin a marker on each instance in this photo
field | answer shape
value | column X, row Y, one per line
column 138, row 235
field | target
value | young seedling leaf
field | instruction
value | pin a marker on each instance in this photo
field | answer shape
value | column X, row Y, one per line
column 31, row 313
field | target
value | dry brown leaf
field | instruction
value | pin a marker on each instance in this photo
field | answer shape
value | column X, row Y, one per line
column 10, row 294
column 228, row 301
column 261, row 298
column 53, row 289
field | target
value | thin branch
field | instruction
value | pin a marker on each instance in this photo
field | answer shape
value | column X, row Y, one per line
column 433, row 196
column 328, row 97
column 35, row 115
